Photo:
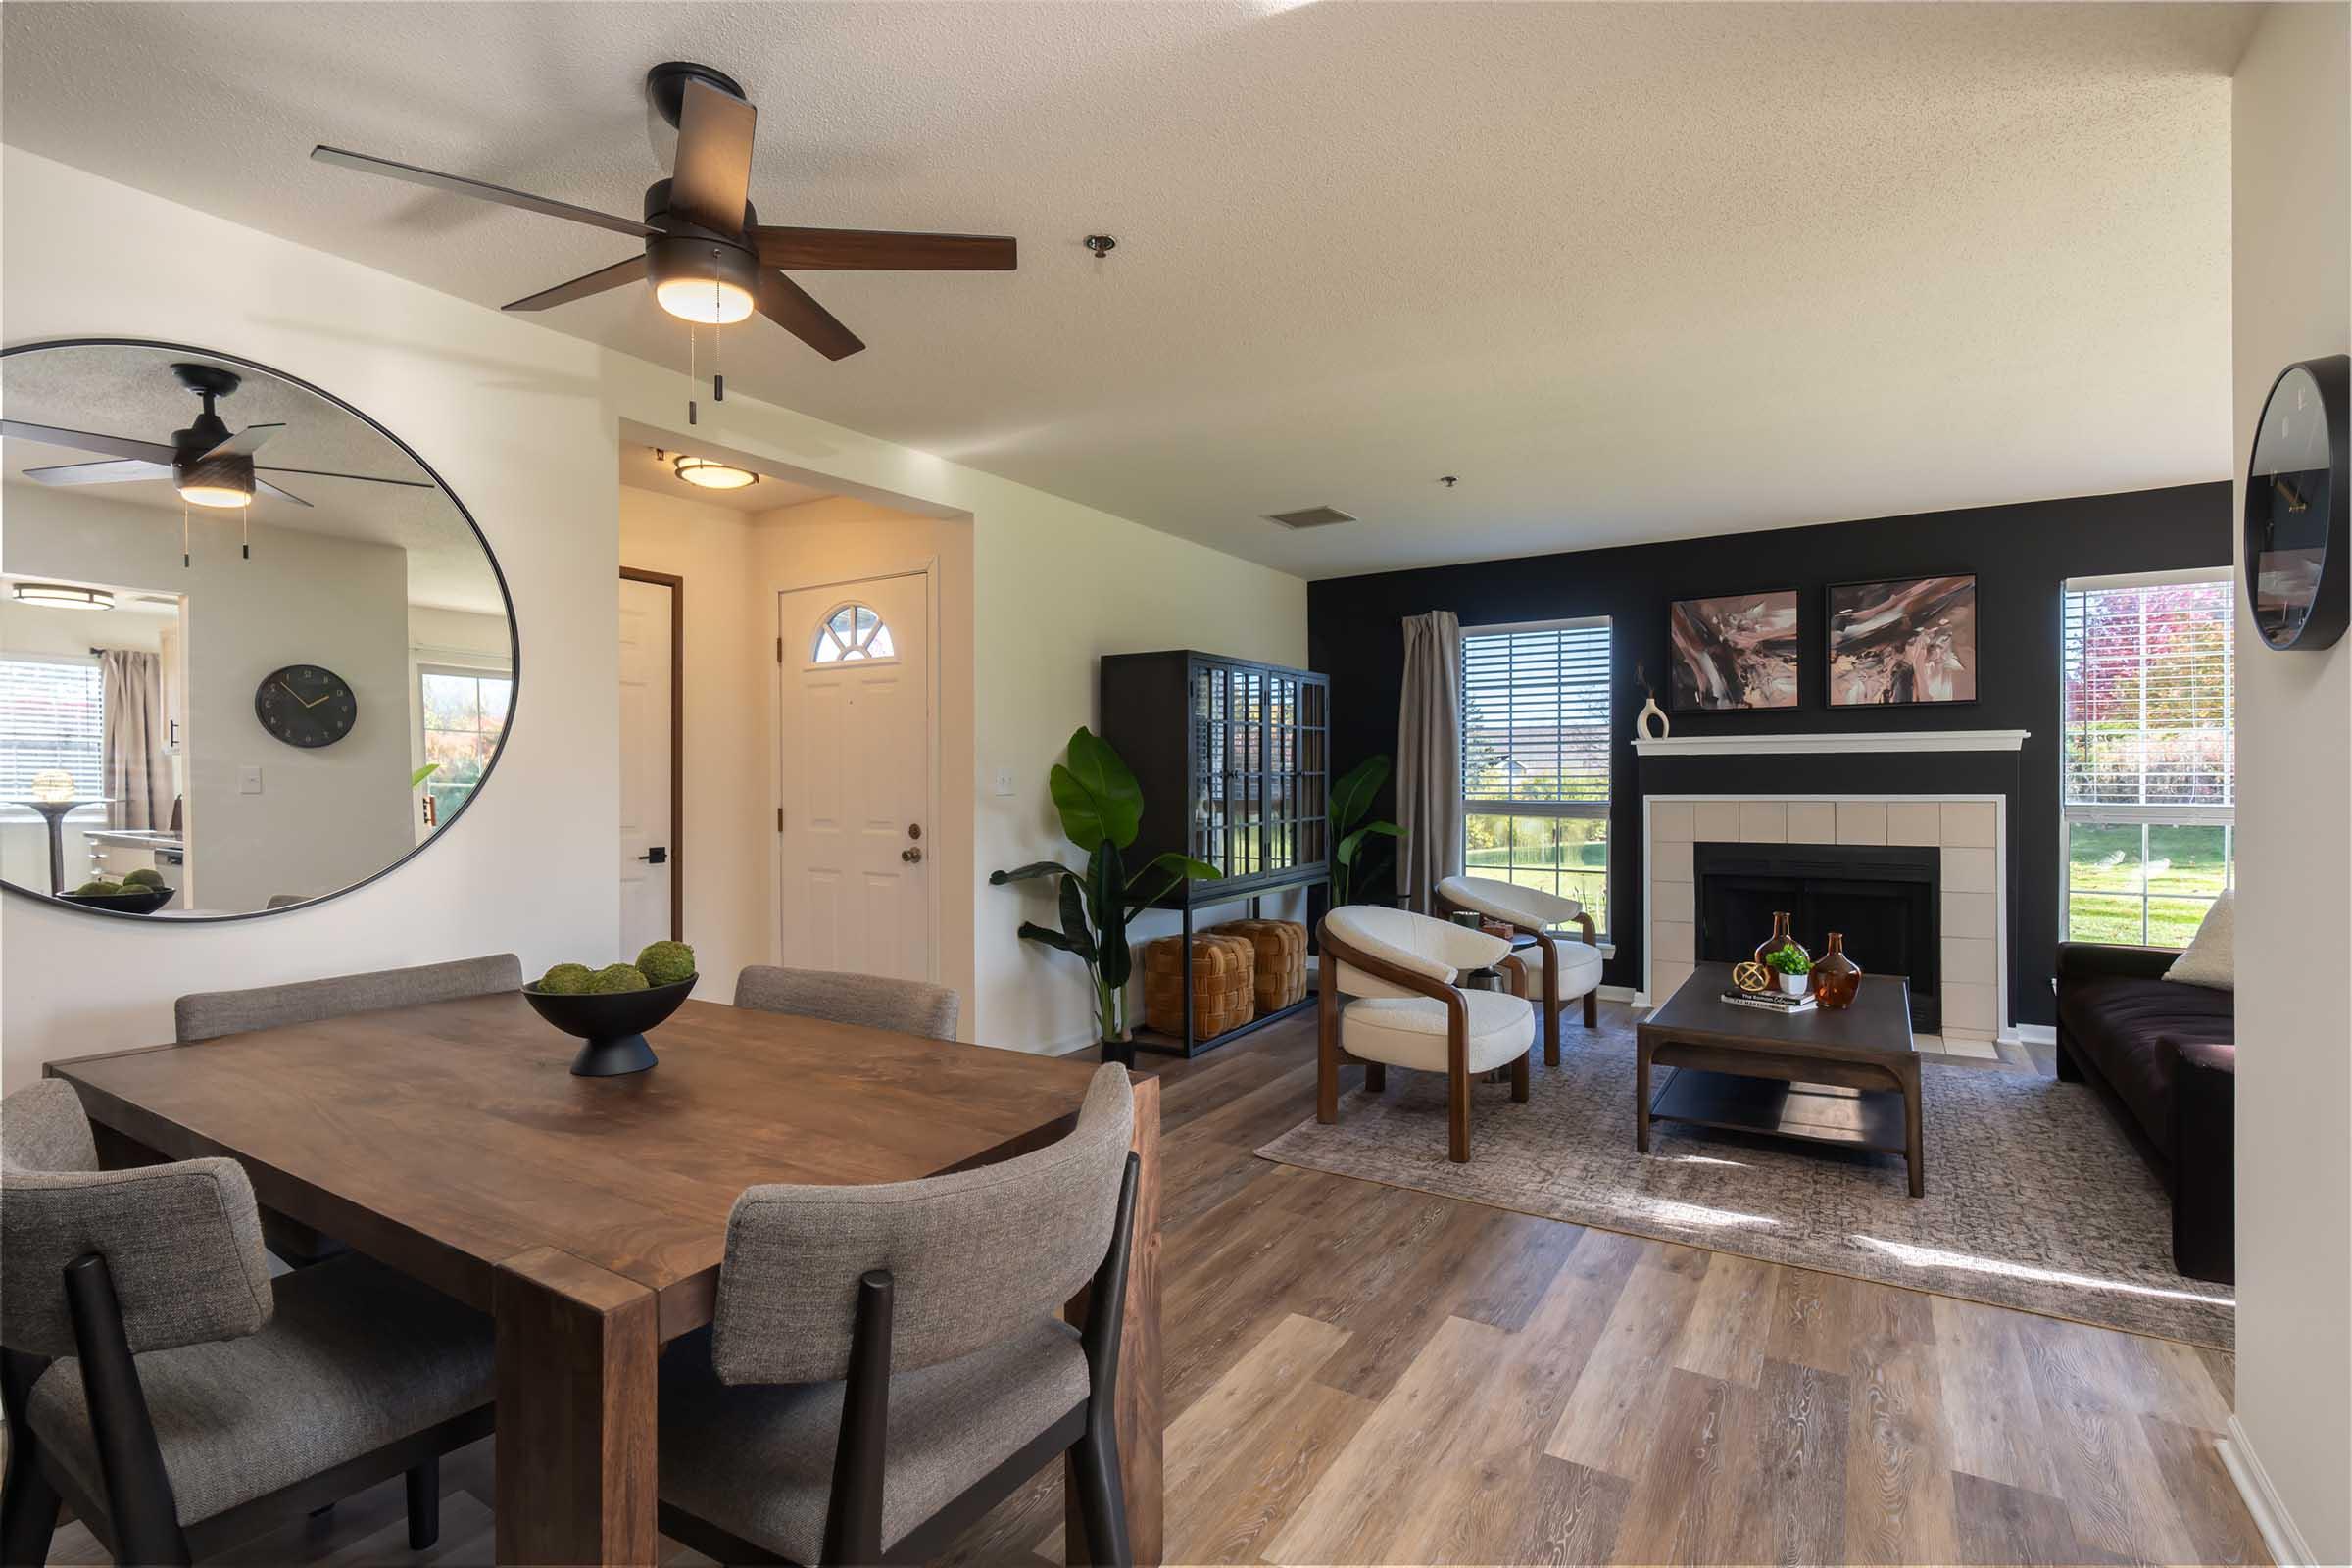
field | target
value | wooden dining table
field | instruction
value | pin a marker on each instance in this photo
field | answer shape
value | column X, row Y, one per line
column 588, row 1216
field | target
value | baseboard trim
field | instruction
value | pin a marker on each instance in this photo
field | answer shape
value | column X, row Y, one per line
column 2287, row 1544
column 1618, row 994
column 2035, row 1034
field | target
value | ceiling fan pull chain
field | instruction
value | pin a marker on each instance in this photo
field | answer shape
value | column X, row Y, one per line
column 718, row 382
column 183, row 536
column 689, row 372
column 245, row 528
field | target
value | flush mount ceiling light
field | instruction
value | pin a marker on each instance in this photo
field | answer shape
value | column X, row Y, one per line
column 57, row 596
column 712, row 474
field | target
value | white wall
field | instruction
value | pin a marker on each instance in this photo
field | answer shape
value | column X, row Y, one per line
column 523, row 423
column 2292, row 244
column 324, row 817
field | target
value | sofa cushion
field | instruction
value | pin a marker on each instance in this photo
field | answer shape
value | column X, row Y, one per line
column 2122, row 1024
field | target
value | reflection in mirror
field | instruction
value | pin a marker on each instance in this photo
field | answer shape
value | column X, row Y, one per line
column 250, row 652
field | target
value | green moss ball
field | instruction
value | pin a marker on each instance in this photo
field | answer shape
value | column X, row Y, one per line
column 100, row 888
column 566, row 979
column 665, row 964
column 143, row 877
column 618, row 977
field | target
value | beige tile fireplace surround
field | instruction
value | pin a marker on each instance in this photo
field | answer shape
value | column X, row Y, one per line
column 1969, row 830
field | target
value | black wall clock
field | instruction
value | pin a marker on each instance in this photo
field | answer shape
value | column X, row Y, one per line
column 2298, row 553
column 306, row 706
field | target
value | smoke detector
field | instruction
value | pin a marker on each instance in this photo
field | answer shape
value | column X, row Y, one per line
column 1310, row 518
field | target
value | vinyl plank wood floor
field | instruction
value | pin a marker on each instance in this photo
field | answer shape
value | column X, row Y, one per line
column 1361, row 1374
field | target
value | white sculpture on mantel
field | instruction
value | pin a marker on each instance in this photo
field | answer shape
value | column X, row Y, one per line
column 1650, row 712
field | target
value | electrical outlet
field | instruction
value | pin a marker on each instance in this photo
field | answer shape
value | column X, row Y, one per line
column 249, row 781
column 1003, row 781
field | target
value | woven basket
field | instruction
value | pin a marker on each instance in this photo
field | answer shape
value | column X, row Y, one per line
column 1223, row 969
column 1281, row 947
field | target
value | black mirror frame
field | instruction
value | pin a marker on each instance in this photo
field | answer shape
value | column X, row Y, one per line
column 2331, row 602
column 496, row 573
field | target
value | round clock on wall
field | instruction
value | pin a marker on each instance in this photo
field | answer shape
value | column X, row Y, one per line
column 2296, row 553
column 306, row 706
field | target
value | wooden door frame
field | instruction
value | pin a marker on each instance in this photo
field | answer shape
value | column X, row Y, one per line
column 928, row 569
column 677, row 738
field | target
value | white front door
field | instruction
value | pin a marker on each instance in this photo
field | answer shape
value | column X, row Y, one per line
column 855, row 772
column 647, row 854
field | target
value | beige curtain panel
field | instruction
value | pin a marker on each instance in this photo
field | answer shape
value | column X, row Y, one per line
column 1429, row 757
column 138, row 772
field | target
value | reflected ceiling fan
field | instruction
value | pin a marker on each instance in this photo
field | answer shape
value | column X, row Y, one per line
column 708, row 257
column 207, row 464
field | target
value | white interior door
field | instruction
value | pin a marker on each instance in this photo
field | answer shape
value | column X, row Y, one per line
column 646, row 692
column 855, row 776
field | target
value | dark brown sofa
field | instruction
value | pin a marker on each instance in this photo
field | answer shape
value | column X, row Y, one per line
column 2165, row 1056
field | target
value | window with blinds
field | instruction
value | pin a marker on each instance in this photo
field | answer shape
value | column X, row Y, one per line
column 2148, row 794
column 52, row 716
column 1536, row 758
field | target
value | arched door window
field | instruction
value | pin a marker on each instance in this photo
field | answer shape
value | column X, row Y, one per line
column 854, row 631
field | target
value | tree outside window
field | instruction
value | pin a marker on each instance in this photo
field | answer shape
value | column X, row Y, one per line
column 465, row 718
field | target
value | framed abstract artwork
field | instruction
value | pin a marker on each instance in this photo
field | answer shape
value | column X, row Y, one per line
column 1903, row 642
column 1734, row 651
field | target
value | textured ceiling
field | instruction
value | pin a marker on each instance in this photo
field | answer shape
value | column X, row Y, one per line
column 1630, row 271
column 641, row 469
column 111, row 389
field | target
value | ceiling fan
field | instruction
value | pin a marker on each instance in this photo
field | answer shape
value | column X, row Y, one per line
column 709, row 261
column 206, row 462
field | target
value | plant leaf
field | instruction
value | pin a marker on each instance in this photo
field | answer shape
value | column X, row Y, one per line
column 423, row 774
column 1172, row 868
column 1110, row 882
column 1029, row 872
column 1096, row 795
column 1052, row 938
column 1073, row 921
column 1352, row 844
column 1351, row 797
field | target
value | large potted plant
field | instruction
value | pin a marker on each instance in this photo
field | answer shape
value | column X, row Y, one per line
column 1356, row 852
column 1101, row 808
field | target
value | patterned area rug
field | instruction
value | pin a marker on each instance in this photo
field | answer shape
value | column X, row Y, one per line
column 2034, row 1197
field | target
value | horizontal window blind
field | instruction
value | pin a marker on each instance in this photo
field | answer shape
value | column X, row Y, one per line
column 52, row 716
column 1535, row 719
column 2148, row 696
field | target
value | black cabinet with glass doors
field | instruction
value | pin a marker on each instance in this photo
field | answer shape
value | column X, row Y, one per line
column 1234, row 758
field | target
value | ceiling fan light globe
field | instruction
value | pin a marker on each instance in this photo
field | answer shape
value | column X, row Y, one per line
column 215, row 495
column 704, row 301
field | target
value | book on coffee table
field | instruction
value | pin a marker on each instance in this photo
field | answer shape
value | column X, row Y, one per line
column 1769, row 1000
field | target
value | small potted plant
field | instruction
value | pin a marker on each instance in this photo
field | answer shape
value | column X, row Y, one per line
column 1793, row 968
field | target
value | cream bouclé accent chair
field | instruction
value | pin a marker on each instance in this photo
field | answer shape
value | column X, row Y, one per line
column 1401, row 968
column 1571, row 969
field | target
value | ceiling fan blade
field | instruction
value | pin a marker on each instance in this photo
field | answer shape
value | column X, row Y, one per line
column 481, row 191
column 112, row 471
column 711, row 179
column 246, row 442
column 631, row 270
column 884, row 250
column 264, row 486
column 117, row 446
column 788, row 305
column 364, row 479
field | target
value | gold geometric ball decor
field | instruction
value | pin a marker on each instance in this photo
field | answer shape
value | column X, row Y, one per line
column 1751, row 976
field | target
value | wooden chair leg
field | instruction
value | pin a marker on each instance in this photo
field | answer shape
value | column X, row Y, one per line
column 1457, row 1101
column 1519, row 1081
column 1551, row 1005
column 425, row 1504
column 1376, row 1077
column 1102, row 1502
column 1593, row 1008
column 1327, row 1053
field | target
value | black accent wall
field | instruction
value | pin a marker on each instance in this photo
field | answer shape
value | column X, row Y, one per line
column 2021, row 556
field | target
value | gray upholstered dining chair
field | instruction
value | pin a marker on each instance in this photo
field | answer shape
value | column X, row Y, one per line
column 885, row 1363
column 156, row 1377
column 908, row 1007
column 210, row 1015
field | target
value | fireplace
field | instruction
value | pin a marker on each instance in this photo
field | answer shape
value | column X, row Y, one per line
column 1885, row 898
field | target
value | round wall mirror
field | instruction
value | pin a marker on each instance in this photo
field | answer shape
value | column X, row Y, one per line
column 253, row 653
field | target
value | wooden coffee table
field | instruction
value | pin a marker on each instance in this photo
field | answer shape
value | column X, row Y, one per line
column 1849, row 1077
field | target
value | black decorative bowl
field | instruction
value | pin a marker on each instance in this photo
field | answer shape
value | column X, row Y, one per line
column 611, row 1022
column 144, row 901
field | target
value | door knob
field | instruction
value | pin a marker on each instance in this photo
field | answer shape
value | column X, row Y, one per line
column 910, row 855
column 659, row 854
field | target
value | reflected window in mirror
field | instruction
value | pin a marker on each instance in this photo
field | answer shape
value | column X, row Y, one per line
column 284, row 616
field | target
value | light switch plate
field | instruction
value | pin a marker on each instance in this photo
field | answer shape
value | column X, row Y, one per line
column 1003, row 781
column 249, row 781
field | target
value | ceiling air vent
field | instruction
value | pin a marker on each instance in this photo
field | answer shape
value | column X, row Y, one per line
column 1310, row 518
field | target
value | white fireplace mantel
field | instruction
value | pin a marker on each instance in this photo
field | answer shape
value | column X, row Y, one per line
column 1920, row 740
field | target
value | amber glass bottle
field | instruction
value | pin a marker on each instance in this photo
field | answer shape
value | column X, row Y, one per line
column 1779, row 939
column 1835, row 977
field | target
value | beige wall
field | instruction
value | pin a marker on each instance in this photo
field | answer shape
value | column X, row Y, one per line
column 525, row 423
column 2291, row 245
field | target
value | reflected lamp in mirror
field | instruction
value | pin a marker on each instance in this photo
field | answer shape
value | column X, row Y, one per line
column 367, row 595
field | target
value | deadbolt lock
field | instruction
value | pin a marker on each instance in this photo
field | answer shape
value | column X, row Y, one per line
column 914, row 830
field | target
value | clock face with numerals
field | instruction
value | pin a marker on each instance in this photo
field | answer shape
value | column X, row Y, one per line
column 306, row 706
